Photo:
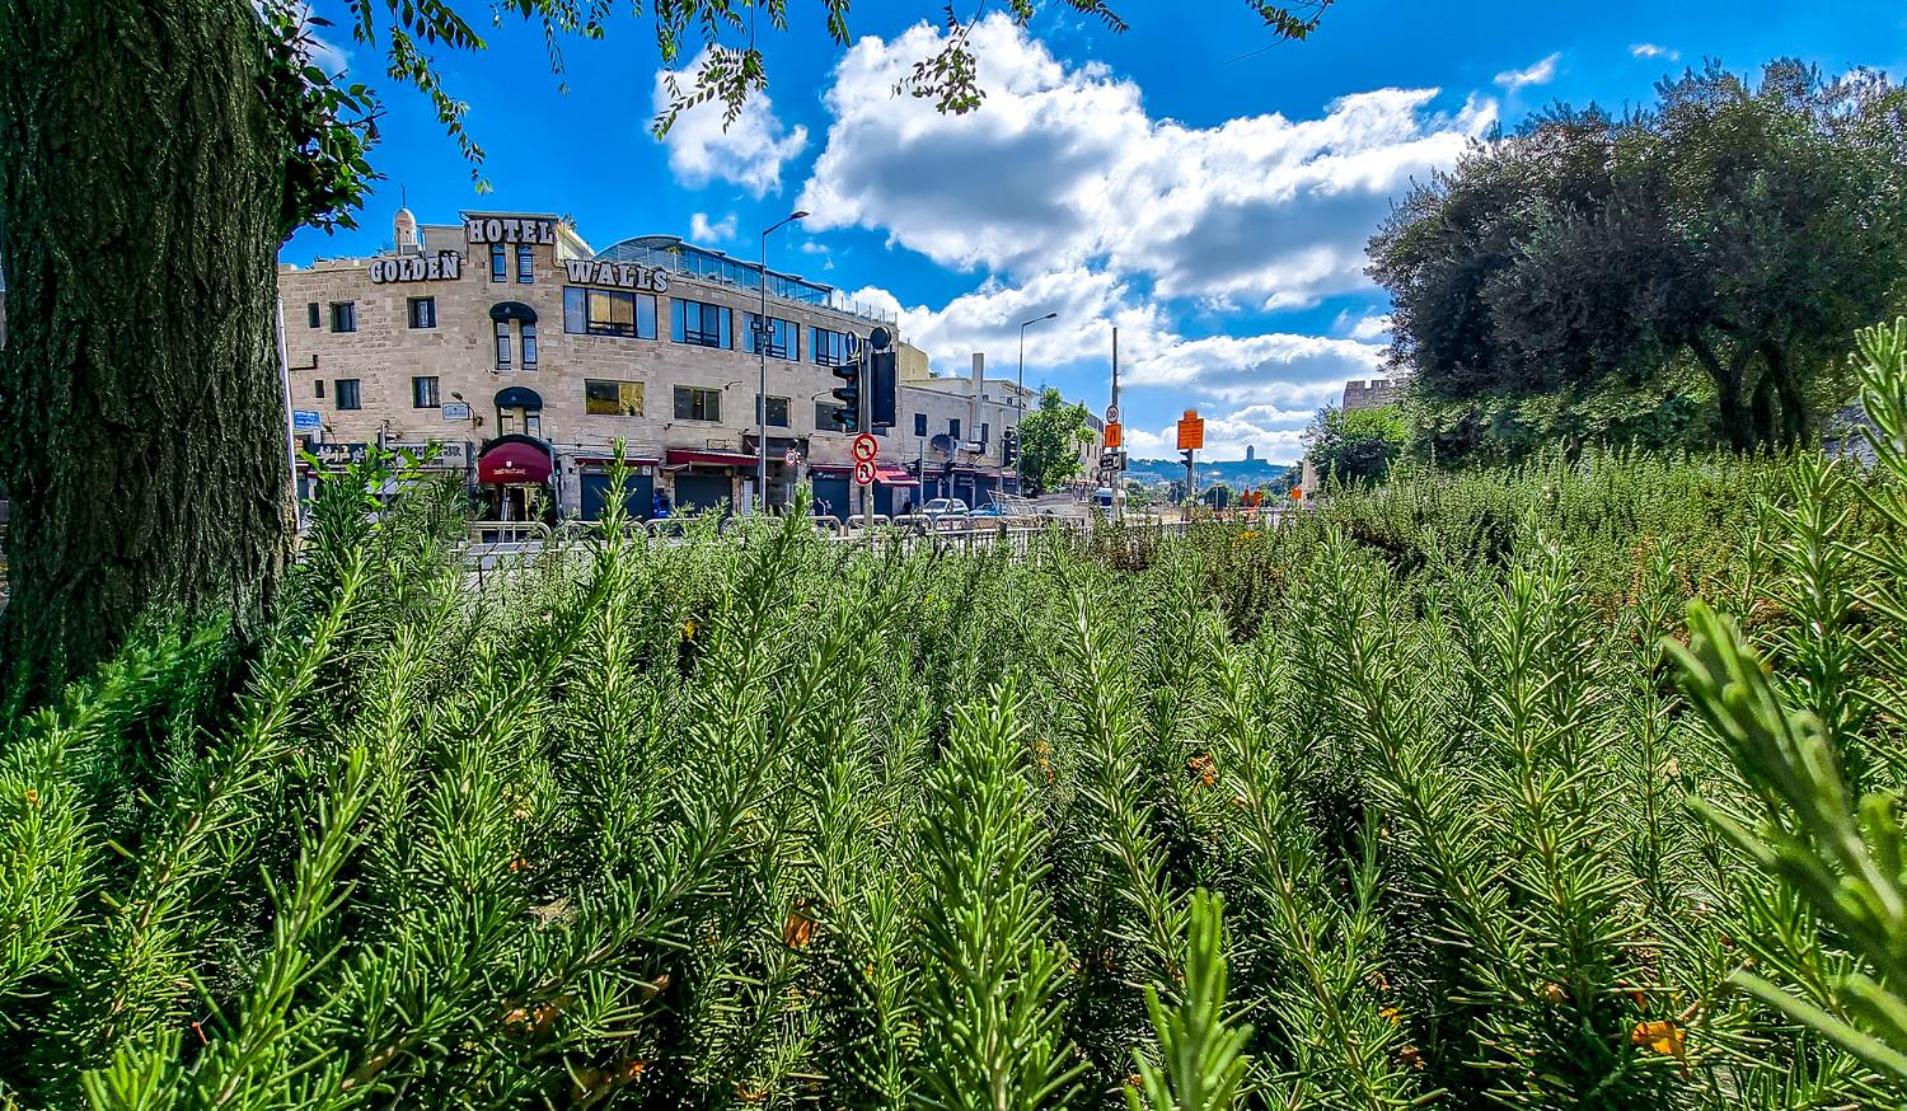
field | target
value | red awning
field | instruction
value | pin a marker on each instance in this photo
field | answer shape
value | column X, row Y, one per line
column 514, row 463
column 894, row 476
column 681, row 457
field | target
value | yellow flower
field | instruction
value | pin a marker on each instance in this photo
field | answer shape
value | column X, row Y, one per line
column 1662, row 1036
column 1396, row 1017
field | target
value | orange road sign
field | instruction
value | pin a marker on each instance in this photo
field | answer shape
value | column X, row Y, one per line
column 1191, row 431
column 1113, row 433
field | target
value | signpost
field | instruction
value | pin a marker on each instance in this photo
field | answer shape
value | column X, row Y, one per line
column 791, row 457
column 305, row 420
column 864, row 472
column 457, row 410
column 866, row 448
column 1191, row 439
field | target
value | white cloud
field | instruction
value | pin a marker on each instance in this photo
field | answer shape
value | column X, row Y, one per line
column 1542, row 73
column 1651, row 50
column 702, row 231
column 1260, row 389
column 1369, row 327
column 330, row 58
column 748, row 152
column 1062, row 168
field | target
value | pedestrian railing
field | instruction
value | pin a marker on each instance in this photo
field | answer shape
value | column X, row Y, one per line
column 503, row 545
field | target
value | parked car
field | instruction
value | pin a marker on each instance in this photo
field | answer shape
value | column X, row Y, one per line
column 1102, row 497
column 946, row 507
column 991, row 509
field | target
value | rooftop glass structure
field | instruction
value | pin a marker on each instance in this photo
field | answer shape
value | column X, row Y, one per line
column 671, row 253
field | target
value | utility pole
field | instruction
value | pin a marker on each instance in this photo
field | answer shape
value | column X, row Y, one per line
column 762, row 332
column 1118, row 478
column 864, row 411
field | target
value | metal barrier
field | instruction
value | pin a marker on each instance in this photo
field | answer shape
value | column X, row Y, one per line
column 508, row 532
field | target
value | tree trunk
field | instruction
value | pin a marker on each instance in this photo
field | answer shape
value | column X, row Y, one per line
column 1764, row 409
column 142, row 415
column 1794, row 410
column 1737, row 422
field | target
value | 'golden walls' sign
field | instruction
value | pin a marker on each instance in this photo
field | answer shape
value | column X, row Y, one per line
column 446, row 267
column 508, row 229
column 626, row 275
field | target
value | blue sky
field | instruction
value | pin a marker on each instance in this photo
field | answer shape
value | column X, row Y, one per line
column 1203, row 188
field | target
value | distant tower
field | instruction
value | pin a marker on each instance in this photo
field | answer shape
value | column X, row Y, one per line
column 1251, row 453
column 404, row 231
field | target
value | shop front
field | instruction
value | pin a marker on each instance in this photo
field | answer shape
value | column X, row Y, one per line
column 513, row 473
column 784, row 465
column 832, row 488
column 706, row 480
column 896, row 490
column 593, row 485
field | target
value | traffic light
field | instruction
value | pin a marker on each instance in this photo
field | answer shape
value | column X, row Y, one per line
column 1186, row 457
column 883, row 388
column 1010, row 446
column 847, row 415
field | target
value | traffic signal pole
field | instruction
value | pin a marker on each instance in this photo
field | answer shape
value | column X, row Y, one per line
column 863, row 411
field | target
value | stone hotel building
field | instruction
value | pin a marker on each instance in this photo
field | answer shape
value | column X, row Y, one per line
column 525, row 356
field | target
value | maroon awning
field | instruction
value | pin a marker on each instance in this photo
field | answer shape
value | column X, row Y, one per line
column 894, row 476
column 514, row 463
column 682, row 457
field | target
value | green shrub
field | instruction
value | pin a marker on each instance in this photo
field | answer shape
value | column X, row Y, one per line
column 1385, row 806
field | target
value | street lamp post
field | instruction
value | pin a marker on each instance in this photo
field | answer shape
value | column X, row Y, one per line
column 761, row 350
column 1019, row 398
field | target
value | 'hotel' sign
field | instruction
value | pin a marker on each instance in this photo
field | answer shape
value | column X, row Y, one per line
column 508, row 229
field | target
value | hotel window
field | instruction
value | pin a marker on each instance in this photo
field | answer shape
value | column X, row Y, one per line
column 423, row 312
column 953, row 427
column 424, row 393
column 320, row 384
column 829, row 348
column 499, row 263
column 609, row 312
column 700, row 323
column 503, row 345
column 777, row 411
column 608, row 398
column 694, row 403
column 316, row 316
column 920, row 424
column 984, row 429
column 344, row 316
column 346, row 394
column 529, row 345
column 782, row 336
column 525, row 264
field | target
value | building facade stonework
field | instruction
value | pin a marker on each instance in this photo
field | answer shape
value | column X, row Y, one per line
column 505, row 335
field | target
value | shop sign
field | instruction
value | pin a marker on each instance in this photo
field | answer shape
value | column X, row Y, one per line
column 625, row 275
column 453, row 454
column 306, row 420
column 446, row 266
column 457, row 410
column 508, row 229
column 337, row 455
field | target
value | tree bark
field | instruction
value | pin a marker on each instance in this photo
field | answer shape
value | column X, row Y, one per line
column 1794, row 410
column 142, row 418
column 1737, row 421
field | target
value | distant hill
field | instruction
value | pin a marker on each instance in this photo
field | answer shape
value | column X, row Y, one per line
column 1237, row 473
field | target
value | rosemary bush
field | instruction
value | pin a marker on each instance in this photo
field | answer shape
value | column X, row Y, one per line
column 1399, row 803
